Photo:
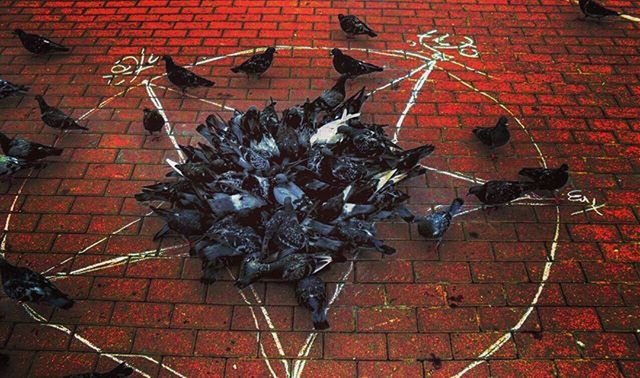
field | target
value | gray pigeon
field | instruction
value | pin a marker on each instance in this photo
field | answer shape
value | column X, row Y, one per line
column 547, row 178
column 436, row 224
column 496, row 136
column 56, row 118
column 332, row 97
column 24, row 149
column 500, row 192
column 152, row 120
column 37, row 44
column 292, row 267
column 311, row 294
column 346, row 65
column 182, row 77
column 7, row 89
column 353, row 26
column 25, row 285
column 257, row 64
column 10, row 165
column 185, row 222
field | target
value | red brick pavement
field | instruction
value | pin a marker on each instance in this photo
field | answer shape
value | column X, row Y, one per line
column 573, row 84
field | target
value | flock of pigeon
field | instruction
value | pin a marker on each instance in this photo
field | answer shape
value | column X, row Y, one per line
column 282, row 195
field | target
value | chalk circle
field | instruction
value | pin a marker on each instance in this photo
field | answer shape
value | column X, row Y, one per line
column 298, row 366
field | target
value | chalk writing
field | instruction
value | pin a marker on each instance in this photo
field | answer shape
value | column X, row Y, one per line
column 130, row 66
column 577, row 196
column 438, row 44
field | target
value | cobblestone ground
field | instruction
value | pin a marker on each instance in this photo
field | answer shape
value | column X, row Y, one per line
column 527, row 290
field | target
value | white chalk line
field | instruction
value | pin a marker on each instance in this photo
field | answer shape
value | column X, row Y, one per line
column 488, row 352
column 412, row 99
column 32, row 312
column 45, row 323
column 482, row 357
column 120, row 260
column 299, row 365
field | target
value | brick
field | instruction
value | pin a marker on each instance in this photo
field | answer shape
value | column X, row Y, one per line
column 226, row 344
column 352, row 345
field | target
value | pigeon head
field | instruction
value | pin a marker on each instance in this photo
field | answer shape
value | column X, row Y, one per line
column 475, row 190
column 340, row 16
column 502, row 122
column 281, row 179
column 564, row 167
column 167, row 59
column 146, row 110
column 18, row 32
column 271, row 50
column 42, row 102
column 336, row 52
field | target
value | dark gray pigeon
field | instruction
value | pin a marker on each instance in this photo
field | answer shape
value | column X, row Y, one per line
column 332, row 97
column 37, row 44
column 346, row 65
column 436, row 224
column 593, row 9
column 182, row 77
column 496, row 136
column 152, row 120
column 25, row 285
column 185, row 222
column 353, row 26
column 292, row 267
column 56, row 118
column 311, row 294
column 7, row 89
column 500, row 192
column 257, row 64
column 285, row 231
column 10, row 165
column 24, row 149
column 547, row 178
column 120, row 371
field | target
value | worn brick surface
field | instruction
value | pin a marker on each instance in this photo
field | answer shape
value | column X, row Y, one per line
column 424, row 312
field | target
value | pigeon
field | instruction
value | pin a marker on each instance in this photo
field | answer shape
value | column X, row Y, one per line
column 37, row 44
column 183, row 78
column 332, row 97
column 152, row 120
column 497, row 192
column 55, row 118
column 285, row 230
column 547, row 178
column 292, row 267
column 361, row 233
column 25, row 285
column 496, row 136
column 284, row 188
column 353, row 26
column 24, row 149
column 120, row 371
column 346, row 65
column 185, row 222
column 10, row 165
column 310, row 293
column 595, row 10
column 436, row 224
column 257, row 64
column 7, row 89
column 364, row 142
